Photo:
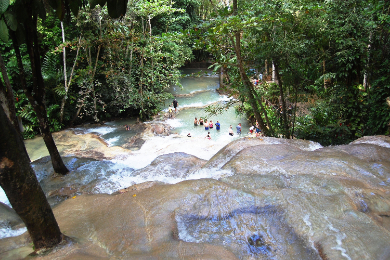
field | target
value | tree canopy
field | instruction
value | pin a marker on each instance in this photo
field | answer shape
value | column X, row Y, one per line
column 105, row 59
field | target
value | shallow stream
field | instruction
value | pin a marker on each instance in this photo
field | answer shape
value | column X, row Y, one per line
column 199, row 89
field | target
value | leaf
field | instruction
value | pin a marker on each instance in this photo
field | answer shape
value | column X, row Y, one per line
column 11, row 21
column 4, row 6
column 3, row 31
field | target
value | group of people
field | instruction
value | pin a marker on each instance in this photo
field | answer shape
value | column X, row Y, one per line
column 207, row 126
column 255, row 130
column 210, row 125
column 238, row 128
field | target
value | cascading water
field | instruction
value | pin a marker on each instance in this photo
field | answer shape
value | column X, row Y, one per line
column 199, row 90
column 178, row 197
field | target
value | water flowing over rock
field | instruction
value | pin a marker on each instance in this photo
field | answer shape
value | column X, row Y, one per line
column 273, row 199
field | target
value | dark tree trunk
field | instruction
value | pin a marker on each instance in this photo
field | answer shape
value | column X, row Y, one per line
column 245, row 80
column 21, row 186
column 36, row 96
column 248, row 84
column 7, row 96
column 284, row 108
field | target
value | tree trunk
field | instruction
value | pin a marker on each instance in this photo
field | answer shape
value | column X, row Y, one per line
column 262, row 108
column 131, row 56
column 150, row 26
column 7, row 97
column 21, row 186
column 93, row 90
column 284, row 112
column 274, row 77
column 65, row 76
column 221, row 77
column 92, row 73
column 367, row 66
column 37, row 95
column 69, row 82
column 248, row 84
column 245, row 80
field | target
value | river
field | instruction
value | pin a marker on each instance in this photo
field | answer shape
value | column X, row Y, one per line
column 199, row 89
column 177, row 197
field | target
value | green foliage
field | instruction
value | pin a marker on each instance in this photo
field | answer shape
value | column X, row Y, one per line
column 378, row 105
column 29, row 119
column 338, row 120
column 321, row 48
column 138, row 57
column 320, row 125
column 27, row 114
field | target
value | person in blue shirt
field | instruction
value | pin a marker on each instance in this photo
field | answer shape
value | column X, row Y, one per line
column 238, row 127
column 218, row 125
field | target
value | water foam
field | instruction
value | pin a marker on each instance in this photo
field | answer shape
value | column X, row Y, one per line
column 112, row 141
column 174, row 122
column 373, row 140
column 4, row 198
column 96, row 130
column 9, row 232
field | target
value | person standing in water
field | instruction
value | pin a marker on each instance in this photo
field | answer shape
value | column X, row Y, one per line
column 238, row 127
column 170, row 111
column 217, row 125
column 175, row 104
column 208, row 136
column 206, row 125
column 231, row 130
column 196, row 122
column 211, row 124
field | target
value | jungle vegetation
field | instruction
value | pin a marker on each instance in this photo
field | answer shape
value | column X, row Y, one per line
column 75, row 61
column 333, row 53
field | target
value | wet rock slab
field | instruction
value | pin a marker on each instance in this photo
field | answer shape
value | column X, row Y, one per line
column 283, row 199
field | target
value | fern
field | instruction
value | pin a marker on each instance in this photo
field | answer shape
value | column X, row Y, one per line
column 60, row 90
column 50, row 71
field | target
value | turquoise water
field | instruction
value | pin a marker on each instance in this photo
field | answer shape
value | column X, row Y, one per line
column 199, row 93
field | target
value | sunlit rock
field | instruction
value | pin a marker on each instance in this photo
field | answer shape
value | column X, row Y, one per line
column 262, row 198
